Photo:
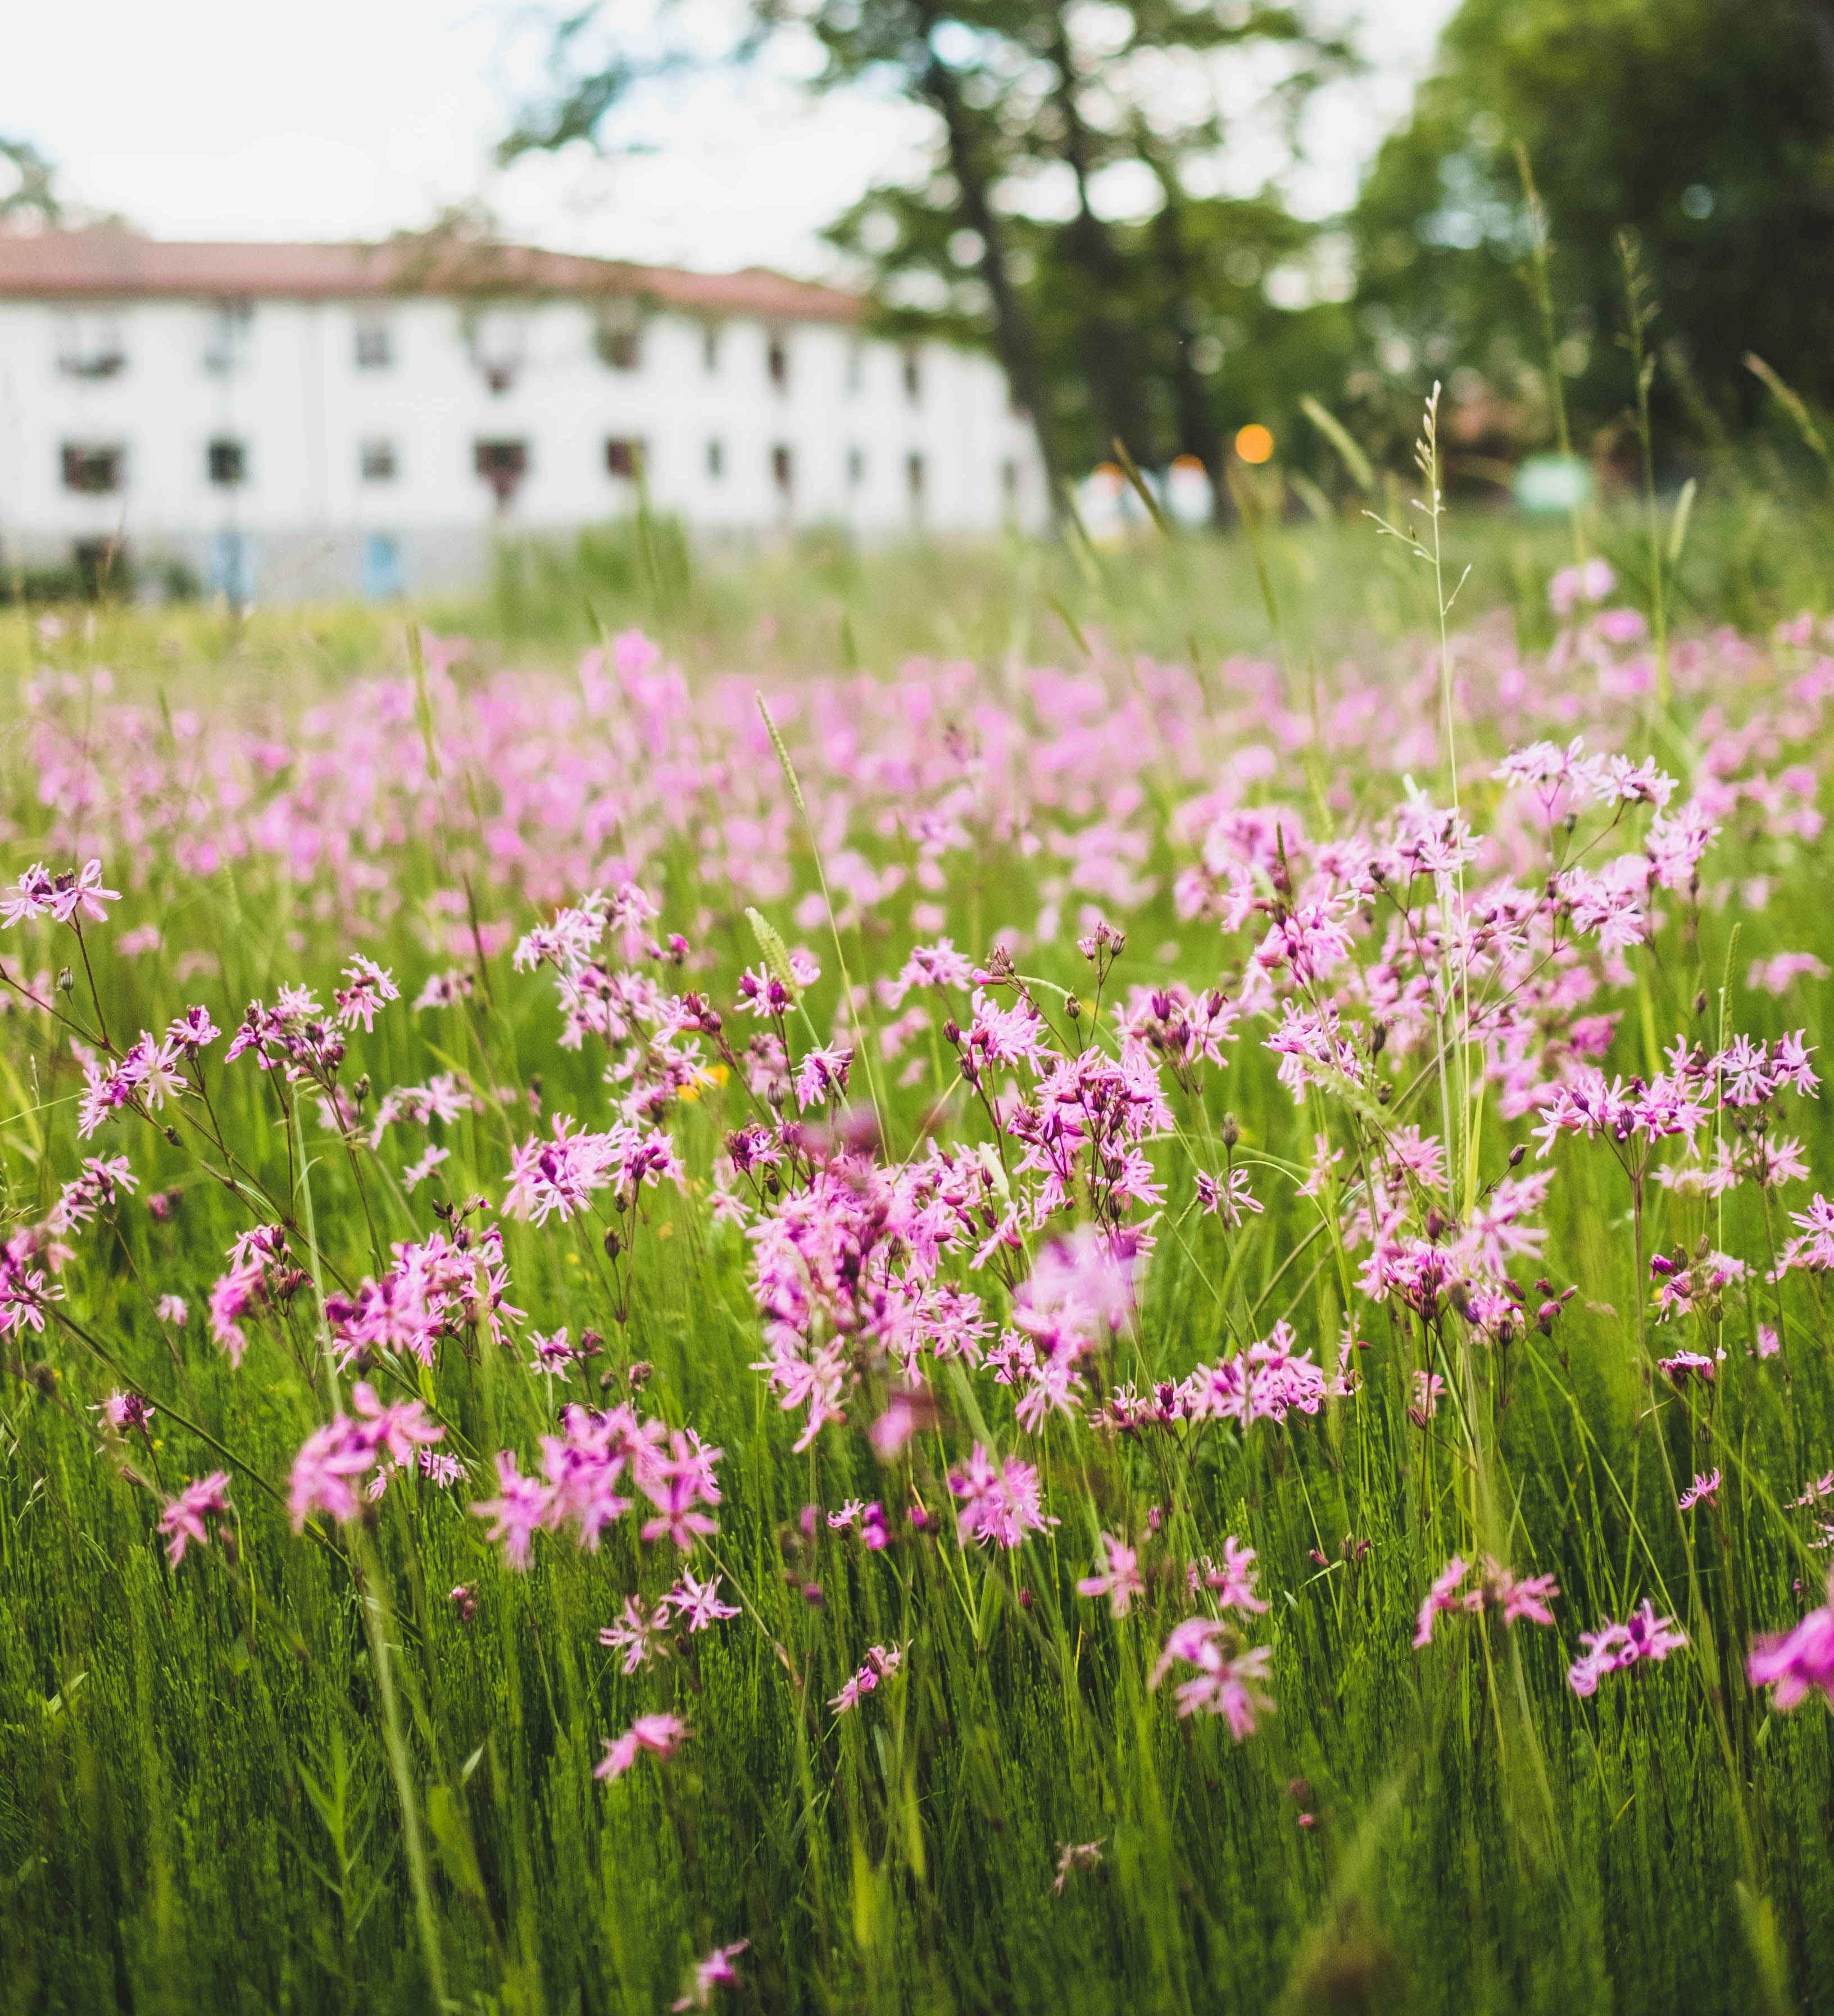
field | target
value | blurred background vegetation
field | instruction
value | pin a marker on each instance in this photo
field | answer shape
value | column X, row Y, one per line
column 1065, row 219
column 1580, row 185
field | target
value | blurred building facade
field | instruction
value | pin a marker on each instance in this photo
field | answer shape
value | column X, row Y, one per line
column 292, row 422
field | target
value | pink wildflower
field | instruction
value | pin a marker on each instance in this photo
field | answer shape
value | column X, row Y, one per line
column 661, row 1735
column 183, row 1519
column 1120, row 1581
column 716, row 1971
column 1705, row 1490
column 1002, row 1504
column 881, row 1661
column 1613, row 1647
column 1225, row 1685
column 1797, row 1663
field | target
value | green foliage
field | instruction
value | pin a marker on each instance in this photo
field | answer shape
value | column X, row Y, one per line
column 1703, row 126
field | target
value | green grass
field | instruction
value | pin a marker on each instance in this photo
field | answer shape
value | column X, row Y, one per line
column 198, row 1807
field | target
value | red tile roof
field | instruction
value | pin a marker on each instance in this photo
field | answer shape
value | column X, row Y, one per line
column 119, row 266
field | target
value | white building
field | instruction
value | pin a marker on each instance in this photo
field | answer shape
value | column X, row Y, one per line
column 305, row 420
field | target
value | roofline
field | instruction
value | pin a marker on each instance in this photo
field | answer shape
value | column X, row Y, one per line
column 119, row 266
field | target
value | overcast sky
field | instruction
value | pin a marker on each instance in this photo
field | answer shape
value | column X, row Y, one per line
column 351, row 118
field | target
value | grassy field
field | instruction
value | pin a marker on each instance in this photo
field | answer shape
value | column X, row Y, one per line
column 808, row 1263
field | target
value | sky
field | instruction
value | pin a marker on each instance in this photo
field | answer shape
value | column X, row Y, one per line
column 345, row 119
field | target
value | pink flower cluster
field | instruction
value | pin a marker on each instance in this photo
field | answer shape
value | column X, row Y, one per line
column 334, row 1457
column 582, row 1468
column 1520, row 1598
column 1644, row 1638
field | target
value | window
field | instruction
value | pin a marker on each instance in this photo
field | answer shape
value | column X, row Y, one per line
column 618, row 336
column 375, row 342
column 375, row 462
column 856, row 368
column 232, row 566
column 777, row 361
column 914, row 480
column 227, row 461
column 625, row 459
column 782, row 470
column 715, row 459
column 710, row 349
column 381, row 568
column 95, row 469
column 499, row 340
column 502, row 464
column 226, row 336
column 90, row 346
column 914, row 379
column 855, row 467
column 1009, row 485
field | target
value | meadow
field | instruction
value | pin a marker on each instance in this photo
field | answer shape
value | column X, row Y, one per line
column 1024, row 1280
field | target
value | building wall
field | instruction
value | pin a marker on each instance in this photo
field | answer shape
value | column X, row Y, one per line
column 297, row 398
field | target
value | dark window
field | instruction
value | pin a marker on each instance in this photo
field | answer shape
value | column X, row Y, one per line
column 855, row 467
column 777, row 361
column 617, row 336
column 375, row 343
column 228, row 461
column 375, row 462
column 782, row 469
column 715, row 459
column 913, row 377
column 502, row 464
column 625, row 459
column 855, row 366
column 1009, row 482
column 710, row 349
column 97, row 471
column 914, row 480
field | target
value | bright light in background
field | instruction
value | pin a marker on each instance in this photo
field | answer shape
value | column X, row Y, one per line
column 214, row 118
column 1254, row 442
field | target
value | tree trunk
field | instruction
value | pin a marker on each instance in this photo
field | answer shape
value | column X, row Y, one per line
column 1198, row 432
column 1108, row 344
column 1013, row 338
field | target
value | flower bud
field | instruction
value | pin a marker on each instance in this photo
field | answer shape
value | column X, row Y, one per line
column 67, row 980
column 1231, row 1130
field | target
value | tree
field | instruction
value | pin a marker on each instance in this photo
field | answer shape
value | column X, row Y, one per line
column 1114, row 316
column 27, row 184
column 1109, row 327
column 1704, row 126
